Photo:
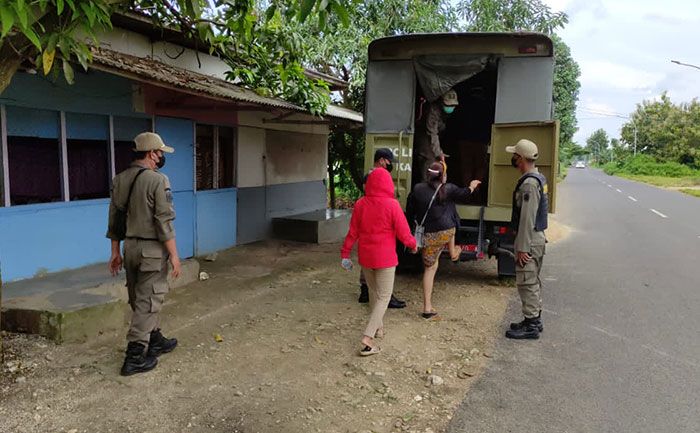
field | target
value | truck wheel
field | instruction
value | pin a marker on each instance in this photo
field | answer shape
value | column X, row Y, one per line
column 408, row 263
column 506, row 266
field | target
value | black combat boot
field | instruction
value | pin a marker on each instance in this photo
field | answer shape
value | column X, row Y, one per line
column 136, row 360
column 396, row 302
column 364, row 294
column 530, row 330
column 519, row 325
column 159, row 345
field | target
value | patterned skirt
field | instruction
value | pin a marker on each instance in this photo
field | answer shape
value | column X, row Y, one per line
column 434, row 245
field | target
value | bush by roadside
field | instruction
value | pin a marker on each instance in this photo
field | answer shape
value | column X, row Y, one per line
column 645, row 165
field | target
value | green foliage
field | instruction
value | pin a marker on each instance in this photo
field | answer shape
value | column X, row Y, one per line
column 510, row 15
column 253, row 37
column 666, row 130
column 597, row 145
column 646, row 165
column 566, row 89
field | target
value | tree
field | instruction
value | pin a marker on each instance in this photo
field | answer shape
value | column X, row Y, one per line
column 566, row 88
column 510, row 16
column 665, row 130
column 597, row 145
column 251, row 36
column 342, row 51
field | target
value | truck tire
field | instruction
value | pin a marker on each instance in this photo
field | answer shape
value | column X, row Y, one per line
column 506, row 266
column 408, row 263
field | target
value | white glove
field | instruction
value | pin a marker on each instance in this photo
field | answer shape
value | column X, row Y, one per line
column 346, row 264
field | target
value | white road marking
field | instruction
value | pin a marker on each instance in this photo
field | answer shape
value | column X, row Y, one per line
column 658, row 213
column 609, row 186
column 631, row 198
column 618, row 190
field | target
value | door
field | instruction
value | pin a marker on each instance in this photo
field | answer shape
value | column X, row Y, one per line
column 502, row 175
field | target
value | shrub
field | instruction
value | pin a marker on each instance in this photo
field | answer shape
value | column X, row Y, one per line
column 645, row 165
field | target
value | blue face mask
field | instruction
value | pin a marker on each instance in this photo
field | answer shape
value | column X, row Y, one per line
column 448, row 109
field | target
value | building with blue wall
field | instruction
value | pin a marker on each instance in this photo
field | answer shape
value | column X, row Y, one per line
column 240, row 159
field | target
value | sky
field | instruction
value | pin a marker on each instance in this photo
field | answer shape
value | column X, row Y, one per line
column 624, row 49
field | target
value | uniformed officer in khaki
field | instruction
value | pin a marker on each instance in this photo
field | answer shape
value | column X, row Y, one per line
column 149, row 244
column 529, row 220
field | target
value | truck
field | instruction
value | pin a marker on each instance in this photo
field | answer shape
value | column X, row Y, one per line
column 504, row 83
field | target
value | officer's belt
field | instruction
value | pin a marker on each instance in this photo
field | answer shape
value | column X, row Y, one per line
column 143, row 239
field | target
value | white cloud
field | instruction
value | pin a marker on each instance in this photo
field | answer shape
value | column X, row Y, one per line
column 605, row 74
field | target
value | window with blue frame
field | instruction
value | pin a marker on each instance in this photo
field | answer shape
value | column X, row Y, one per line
column 87, row 144
column 49, row 156
column 33, row 156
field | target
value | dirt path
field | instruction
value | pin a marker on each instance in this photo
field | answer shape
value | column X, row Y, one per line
column 290, row 323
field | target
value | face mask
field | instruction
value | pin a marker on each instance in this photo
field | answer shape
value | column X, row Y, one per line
column 448, row 109
column 389, row 167
column 161, row 161
column 514, row 161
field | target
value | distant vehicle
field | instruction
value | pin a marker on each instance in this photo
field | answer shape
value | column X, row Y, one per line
column 580, row 164
column 504, row 82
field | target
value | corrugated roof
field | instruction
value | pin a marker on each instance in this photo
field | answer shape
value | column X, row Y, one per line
column 150, row 70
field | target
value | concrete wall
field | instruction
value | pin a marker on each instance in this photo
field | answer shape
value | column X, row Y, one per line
column 281, row 172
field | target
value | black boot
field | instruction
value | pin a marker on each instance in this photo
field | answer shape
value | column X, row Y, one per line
column 530, row 330
column 136, row 360
column 519, row 325
column 159, row 345
column 364, row 294
column 396, row 302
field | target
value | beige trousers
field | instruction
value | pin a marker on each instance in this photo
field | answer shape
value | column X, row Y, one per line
column 146, row 265
column 381, row 285
column 527, row 278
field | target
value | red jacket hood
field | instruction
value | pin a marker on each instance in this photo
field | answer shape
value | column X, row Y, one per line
column 379, row 184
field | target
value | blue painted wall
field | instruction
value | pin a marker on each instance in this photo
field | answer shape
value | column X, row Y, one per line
column 56, row 236
column 216, row 220
column 52, row 237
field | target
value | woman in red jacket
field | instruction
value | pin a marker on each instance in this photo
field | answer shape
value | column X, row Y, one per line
column 377, row 221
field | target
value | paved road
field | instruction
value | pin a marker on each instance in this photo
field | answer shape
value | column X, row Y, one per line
column 621, row 346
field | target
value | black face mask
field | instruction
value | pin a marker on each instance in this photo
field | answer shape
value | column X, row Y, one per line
column 389, row 167
column 514, row 161
column 161, row 161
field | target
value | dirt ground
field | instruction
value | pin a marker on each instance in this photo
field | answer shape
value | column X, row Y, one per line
column 269, row 344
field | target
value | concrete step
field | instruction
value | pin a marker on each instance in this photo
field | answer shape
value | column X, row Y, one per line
column 74, row 305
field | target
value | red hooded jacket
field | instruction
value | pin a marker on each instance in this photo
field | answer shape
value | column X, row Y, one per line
column 377, row 221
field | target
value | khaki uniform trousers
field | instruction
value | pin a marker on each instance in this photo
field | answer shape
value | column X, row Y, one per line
column 146, row 266
column 381, row 286
column 527, row 278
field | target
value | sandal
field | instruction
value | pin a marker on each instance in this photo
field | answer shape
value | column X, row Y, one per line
column 429, row 315
column 369, row 350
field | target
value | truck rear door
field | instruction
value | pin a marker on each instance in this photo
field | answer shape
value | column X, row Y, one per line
column 391, row 87
column 502, row 175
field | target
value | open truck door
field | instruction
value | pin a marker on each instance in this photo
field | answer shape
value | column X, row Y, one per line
column 389, row 118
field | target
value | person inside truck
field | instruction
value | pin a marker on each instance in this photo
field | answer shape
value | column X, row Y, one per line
column 432, row 205
column 429, row 126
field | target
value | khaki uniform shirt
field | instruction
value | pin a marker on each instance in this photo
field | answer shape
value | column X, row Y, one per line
column 151, row 212
column 434, row 124
column 527, row 198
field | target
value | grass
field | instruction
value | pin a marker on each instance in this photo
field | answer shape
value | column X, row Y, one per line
column 694, row 192
column 664, row 181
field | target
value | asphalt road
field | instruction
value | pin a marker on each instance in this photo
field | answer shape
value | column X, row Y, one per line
column 620, row 350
